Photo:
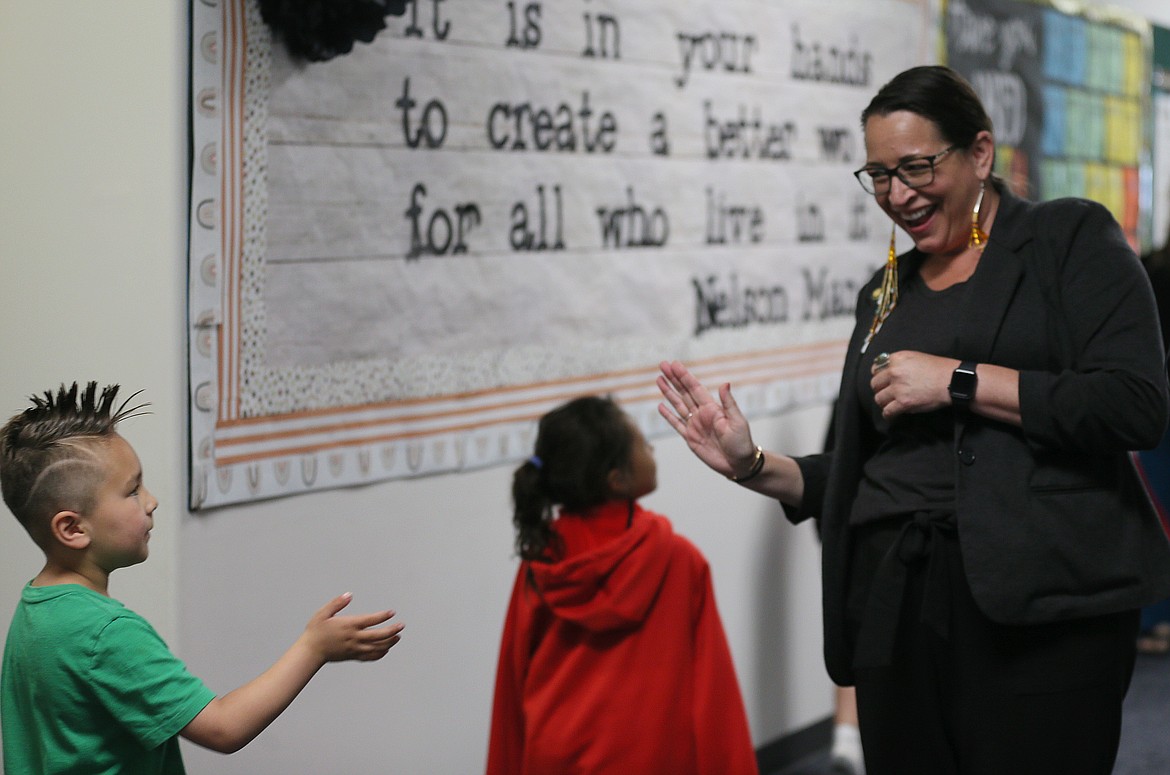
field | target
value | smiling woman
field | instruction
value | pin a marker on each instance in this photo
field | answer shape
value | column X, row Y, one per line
column 944, row 158
column 980, row 461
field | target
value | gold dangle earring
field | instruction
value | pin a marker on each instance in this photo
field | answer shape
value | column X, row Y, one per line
column 978, row 237
column 886, row 296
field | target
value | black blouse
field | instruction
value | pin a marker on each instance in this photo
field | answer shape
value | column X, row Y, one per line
column 913, row 466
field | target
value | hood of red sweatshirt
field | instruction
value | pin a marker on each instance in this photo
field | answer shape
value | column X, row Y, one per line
column 612, row 584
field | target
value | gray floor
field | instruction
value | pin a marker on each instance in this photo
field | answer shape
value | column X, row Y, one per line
column 1145, row 729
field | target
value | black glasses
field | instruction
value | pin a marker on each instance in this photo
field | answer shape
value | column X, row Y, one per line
column 915, row 173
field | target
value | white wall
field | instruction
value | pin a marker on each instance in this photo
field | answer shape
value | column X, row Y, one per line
column 92, row 241
column 92, row 286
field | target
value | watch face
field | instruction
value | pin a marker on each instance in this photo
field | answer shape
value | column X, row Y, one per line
column 962, row 387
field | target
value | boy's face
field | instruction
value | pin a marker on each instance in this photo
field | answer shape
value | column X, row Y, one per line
column 120, row 521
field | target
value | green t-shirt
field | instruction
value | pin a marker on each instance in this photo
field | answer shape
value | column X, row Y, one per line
column 89, row 687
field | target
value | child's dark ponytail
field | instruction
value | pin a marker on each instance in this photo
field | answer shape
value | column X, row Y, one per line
column 533, row 510
column 577, row 445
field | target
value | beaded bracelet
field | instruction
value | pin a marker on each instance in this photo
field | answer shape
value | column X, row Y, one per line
column 757, row 466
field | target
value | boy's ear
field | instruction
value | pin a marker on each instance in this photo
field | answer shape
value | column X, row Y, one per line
column 67, row 529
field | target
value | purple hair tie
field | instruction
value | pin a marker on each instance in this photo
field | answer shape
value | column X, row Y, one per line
column 536, row 462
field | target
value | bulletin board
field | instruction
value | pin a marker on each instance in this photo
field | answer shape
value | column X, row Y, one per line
column 1067, row 88
column 401, row 257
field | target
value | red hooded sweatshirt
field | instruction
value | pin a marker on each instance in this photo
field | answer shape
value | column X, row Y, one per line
column 614, row 660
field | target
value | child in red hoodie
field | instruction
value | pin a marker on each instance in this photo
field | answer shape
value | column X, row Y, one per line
column 613, row 659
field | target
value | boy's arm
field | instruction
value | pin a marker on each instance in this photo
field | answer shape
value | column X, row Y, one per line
column 230, row 722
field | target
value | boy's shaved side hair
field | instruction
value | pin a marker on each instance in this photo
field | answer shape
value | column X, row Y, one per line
column 49, row 460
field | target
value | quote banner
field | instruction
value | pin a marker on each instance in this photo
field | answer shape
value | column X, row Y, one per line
column 401, row 257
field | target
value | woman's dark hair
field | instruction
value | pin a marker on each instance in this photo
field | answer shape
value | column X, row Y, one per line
column 938, row 94
column 577, row 445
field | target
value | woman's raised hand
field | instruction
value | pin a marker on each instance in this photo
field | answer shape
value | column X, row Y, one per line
column 716, row 431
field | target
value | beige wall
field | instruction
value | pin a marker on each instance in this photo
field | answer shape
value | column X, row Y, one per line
column 92, row 232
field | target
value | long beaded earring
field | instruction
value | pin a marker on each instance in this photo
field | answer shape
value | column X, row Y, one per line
column 886, row 295
column 978, row 237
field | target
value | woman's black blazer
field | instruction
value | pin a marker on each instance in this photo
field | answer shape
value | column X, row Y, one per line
column 1053, row 520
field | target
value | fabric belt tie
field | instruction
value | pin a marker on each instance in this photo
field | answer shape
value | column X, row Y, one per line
column 918, row 541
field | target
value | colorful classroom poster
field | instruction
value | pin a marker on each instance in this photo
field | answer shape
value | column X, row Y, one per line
column 1067, row 88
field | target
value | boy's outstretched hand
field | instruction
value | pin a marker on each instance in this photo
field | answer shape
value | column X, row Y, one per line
column 339, row 638
column 230, row 722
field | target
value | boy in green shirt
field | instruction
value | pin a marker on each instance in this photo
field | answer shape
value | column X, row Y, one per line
column 88, row 686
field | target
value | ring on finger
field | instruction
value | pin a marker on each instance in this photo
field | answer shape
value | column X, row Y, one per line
column 881, row 361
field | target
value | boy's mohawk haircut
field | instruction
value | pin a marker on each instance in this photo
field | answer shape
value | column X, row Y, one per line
column 65, row 416
column 36, row 443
